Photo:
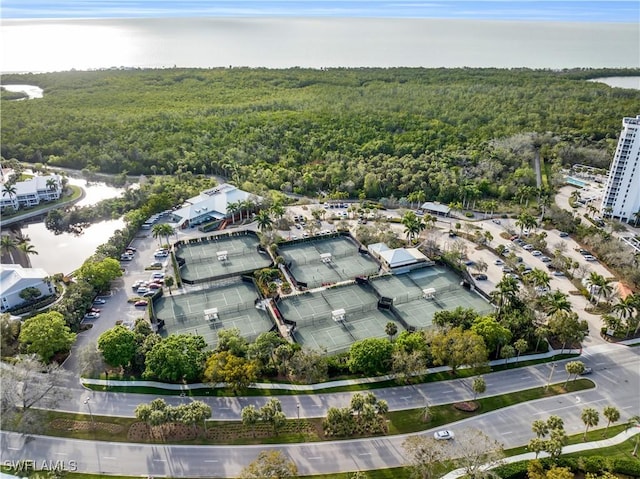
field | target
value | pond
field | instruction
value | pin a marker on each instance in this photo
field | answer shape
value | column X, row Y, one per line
column 66, row 252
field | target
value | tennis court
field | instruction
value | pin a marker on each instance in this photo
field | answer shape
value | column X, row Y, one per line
column 314, row 314
column 234, row 305
column 408, row 297
column 343, row 261
column 216, row 256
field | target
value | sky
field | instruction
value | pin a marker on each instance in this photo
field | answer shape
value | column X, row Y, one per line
column 616, row 11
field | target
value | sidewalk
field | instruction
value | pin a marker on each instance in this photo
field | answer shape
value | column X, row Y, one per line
column 619, row 439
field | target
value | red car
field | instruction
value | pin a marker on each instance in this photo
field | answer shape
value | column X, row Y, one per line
column 93, row 310
column 141, row 302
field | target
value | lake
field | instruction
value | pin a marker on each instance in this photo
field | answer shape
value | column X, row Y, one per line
column 620, row 82
column 316, row 42
column 66, row 252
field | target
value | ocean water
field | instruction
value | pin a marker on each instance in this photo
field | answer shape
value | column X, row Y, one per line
column 57, row 45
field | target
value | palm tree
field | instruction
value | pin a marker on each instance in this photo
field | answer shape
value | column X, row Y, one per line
column 52, row 184
column 278, row 211
column 7, row 244
column 412, row 225
column 612, row 414
column 505, row 293
column 556, row 301
column 232, row 209
column 264, row 220
column 590, row 418
column 625, row 309
column 634, row 421
column 10, row 190
column 27, row 248
column 162, row 230
column 598, row 281
column 539, row 278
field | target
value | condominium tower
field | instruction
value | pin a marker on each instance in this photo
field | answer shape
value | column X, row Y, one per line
column 621, row 198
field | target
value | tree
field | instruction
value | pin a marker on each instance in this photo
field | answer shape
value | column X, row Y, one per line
column 573, row 368
column 168, row 282
column 162, row 230
column 425, row 453
column 46, row 334
column 179, row 357
column 99, row 274
column 308, row 366
column 413, row 225
column 455, row 348
column 30, row 294
column 27, row 248
column 272, row 413
column 191, row 413
column 507, row 353
column 477, row 452
column 590, row 418
column 492, row 332
column 612, row 414
column 250, row 417
column 370, row 356
column 118, row 346
column 7, row 245
column 520, row 346
column 479, row 386
column 407, row 364
column 459, row 317
column 237, row 373
column 263, row 348
column 567, row 327
column 9, row 189
column 536, row 445
column 634, row 421
column 391, row 329
column 270, row 465
column 554, row 427
column 231, row 340
column 555, row 302
column 264, row 220
column 9, row 333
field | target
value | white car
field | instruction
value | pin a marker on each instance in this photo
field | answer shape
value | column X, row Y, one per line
column 528, row 247
column 535, row 252
column 92, row 315
column 498, row 262
column 444, row 435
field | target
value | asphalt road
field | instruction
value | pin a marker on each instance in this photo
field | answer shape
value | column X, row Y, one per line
column 616, row 374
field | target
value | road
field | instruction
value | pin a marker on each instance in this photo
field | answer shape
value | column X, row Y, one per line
column 616, row 374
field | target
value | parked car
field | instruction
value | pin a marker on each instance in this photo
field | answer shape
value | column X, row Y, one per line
column 160, row 254
column 563, row 234
column 498, row 262
column 545, row 259
column 444, row 435
column 156, row 264
column 514, row 237
column 148, row 294
column 535, row 252
column 126, row 257
column 480, row 277
column 158, row 275
column 92, row 316
column 141, row 302
column 142, row 290
column 99, row 301
column 506, row 251
column 93, row 310
column 154, row 286
column 496, row 221
column 528, row 247
column 584, row 252
column 586, row 371
column 558, row 273
column 506, row 269
column 589, row 257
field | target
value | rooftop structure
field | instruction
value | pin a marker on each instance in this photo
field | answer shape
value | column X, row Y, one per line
column 621, row 198
column 436, row 208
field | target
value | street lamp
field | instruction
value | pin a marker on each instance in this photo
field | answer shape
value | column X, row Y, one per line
column 553, row 367
column 93, row 423
column 298, row 408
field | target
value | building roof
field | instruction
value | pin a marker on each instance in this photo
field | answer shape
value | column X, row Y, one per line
column 35, row 184
column 214, row 202
column 415, row 252
column 377, row 247
column 398, row 257
column 13, row 275
column 435, row 206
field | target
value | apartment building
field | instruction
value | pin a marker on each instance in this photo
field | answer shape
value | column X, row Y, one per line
column 621, row 199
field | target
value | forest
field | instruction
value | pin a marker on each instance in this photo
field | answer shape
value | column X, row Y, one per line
column 368, row 133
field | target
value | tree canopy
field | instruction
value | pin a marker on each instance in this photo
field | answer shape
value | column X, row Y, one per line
column 46, row 334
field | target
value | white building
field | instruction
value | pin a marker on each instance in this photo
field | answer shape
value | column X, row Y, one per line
column 621, row 198
column 30, row 192
column 212, row 204
column 14, row 278
column 399, row 260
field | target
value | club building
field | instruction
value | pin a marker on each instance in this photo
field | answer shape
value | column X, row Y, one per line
column 621, row 199
column 214, row 204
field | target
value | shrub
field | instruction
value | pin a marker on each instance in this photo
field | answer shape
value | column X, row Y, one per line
column 629, row 467
column 595, row 464
column 469, row 214
column 516, row 470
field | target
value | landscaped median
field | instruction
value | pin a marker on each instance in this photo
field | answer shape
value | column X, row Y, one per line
column 108, row 428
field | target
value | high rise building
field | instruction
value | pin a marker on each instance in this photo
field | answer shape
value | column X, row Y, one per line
column 621, row 198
